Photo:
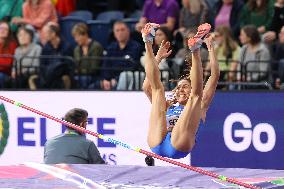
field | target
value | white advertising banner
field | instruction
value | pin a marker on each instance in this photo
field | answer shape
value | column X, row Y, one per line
column 120, row 115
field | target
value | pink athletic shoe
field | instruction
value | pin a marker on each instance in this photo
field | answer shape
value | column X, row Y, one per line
column 148, row 32
column 196, row 41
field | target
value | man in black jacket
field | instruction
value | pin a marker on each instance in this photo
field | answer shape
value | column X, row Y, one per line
column 56, row 67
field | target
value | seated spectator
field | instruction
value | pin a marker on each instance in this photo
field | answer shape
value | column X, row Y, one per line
column 254, row 56
column 10, row 9
column 258, row 13
column 37, row 13
column 86, row 49
column 277, row 22
column 7, row 50
column 163, row 12
column 44, row 36
column 227, row 13
column 26, row 55
column 227, row 51
column 162, row 34
column 277, row 54
column 192, row 14
column 55, row 71
column 129, row 52
column 72, row 147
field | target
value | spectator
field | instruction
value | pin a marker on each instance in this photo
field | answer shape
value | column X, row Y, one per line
column 10, row 9
column 126, row 49
column 44, row 35
column 37, row 13
column 26, row 55
column 162, row 34
column 192, row 14
column 7, row 48
column 227, row 13
column 254, row 55
column 277, row 22
column 72, row 147
column 56, row 71
column 163, row 12
column 258, row 13
column 85, row 50
column 277, row 52
column 227, row 52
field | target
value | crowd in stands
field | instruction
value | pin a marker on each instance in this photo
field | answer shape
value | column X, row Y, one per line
column 97, row 45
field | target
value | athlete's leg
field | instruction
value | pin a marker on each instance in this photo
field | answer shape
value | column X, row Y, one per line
column 183, row 134
column 157, row 129
column 163, row 52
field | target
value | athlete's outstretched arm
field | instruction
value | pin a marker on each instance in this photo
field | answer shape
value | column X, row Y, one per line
column 162, row 53
column 211, row 84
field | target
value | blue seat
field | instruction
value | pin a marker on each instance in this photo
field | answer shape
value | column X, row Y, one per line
column 110, row 16
column 100, row 31
column 82, row 14
column 136, row 14
column 131, row 22
column 66, row 24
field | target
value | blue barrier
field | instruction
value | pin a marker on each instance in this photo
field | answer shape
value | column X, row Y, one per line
column 243, row 130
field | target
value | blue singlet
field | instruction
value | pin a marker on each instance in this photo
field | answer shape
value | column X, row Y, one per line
column 166, row 148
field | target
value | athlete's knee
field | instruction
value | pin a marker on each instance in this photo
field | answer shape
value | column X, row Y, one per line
column 158, row 87
column 146, row 88
column 191, row 144
column 153, row 142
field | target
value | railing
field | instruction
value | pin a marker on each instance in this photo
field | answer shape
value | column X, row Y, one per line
column 246, row 85
column 242, row 79
column 257, row 71
column 26, row 71
column 128, row 75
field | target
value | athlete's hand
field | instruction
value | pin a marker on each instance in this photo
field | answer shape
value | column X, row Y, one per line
column 163, row 51
column 171, row 100
column 209, row 41
column 170, row 128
